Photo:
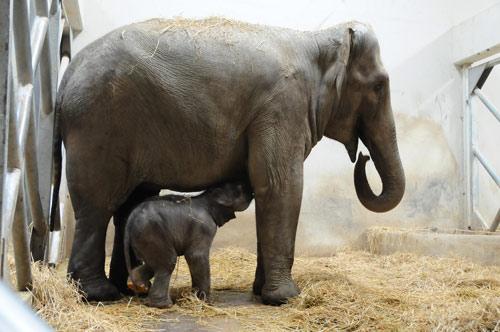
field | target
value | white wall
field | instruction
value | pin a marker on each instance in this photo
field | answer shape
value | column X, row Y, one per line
column 419, row 47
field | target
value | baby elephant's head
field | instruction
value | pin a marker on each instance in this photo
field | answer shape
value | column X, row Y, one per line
column 234, row 195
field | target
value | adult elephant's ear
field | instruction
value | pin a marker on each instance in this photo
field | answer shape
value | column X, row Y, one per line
column 342, row 62
column 335, row 62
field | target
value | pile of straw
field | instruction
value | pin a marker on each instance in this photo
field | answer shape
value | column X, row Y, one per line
column 352, row 290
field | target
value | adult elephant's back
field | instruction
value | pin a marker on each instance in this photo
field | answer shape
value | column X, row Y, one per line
column 163, row 101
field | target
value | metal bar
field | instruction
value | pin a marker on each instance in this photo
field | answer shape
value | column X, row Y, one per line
column 44, row 134
column 496, row 222
column 20, row 243
column 39, row 233
column 18, row 134
column 55, row 242
column 480, row 217
column 468, row 157
column 23, row 113
column 490, row 63
column 493, row 62
column 26, row 125
column 4, row 102
column 487, row 103
column 10, row 193
column 486, row 166
column 27, row 160
column 62, row 70
column 15, row 315
column 22, row 42
column 39, row 32
column 484, row 76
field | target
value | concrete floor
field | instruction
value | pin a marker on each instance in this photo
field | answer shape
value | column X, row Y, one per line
column 223, row 299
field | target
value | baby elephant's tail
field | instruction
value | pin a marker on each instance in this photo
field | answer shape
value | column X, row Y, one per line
column 127, row 248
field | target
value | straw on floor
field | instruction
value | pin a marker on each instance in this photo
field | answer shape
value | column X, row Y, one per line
column 352, row 290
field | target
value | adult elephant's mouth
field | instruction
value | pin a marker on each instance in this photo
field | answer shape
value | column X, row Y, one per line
column 352, row 149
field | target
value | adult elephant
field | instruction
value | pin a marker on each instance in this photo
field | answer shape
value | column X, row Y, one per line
column 186, row 104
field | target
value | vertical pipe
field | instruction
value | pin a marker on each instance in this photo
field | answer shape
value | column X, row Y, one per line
column 39, row 234
column 22, row 254
column 18, row 138
column 4, row 84
column 25, row 74
column 467, row 149
column 44, row 137
column 22, row 42
column 495, row 223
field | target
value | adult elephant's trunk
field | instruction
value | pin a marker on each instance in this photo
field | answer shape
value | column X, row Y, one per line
column 388, row 164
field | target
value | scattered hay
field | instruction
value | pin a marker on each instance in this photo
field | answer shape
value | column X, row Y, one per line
column 59, row 303
column 196, row 25
column 352, row 290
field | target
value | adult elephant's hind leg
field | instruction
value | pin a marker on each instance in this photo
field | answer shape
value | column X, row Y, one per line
column 95, row 192
column 118, row 271
column 276, row 177
column 86, row 264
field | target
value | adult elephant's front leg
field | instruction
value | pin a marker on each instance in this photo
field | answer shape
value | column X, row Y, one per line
column 277, row 183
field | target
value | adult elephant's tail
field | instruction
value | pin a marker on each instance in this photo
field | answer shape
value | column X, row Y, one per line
column 57, row 168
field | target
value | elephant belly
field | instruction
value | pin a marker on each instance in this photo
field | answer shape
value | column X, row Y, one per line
column 199, row 169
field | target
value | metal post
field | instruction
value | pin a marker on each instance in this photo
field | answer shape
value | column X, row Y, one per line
column 4, row 77
column 495, row 223
column 27, row 141
column 22, row 254
column 4, row 118
column 467, row 150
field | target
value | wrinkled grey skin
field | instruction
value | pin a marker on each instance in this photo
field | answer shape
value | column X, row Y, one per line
column 162, row 228
column 155, row 105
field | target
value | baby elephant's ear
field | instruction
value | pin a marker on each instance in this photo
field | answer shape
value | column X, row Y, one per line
column 221, row 197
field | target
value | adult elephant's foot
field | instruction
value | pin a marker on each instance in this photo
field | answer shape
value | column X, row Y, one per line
column 101, row 290
column 160, row 303
column 258, row 284
column 279, row 293
column 259, row 281
column 122, row 287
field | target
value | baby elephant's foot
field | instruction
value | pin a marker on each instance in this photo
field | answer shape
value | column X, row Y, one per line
column 140, row 288
column 160, row 303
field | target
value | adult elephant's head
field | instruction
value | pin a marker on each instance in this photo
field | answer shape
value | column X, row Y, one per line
column 358, row 88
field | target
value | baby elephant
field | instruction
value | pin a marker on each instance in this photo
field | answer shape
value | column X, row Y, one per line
column 164, row 227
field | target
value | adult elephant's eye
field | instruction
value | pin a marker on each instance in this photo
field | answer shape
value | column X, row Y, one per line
column 378, row 87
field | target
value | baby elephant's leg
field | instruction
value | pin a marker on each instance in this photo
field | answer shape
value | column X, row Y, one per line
column 159, row 294
column 199, row 266
column 139, row 279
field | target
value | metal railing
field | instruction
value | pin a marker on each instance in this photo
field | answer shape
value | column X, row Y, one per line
column 475, row 77
column 35, row 39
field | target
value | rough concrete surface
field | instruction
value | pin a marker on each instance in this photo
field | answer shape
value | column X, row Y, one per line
column 478, row 247
column 224, row 298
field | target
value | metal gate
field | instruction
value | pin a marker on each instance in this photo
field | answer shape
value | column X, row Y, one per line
column 39, row 36
column 475, row 77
